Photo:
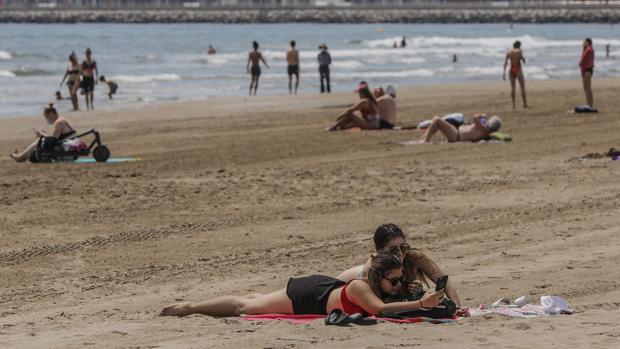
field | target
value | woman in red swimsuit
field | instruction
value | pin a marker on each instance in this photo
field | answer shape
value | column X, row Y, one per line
column 586, row 64
column 368, row 116
column 318, row 294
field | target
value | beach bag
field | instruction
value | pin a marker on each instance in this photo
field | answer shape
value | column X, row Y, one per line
column 456, row 119
column 585, row 109
column 74, row 144
column 444, row 310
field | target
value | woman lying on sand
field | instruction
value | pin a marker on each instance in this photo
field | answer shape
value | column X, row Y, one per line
column 475, row 132
column 61, row 129
column 417, row 267
column 368, row 117
column 318, row 294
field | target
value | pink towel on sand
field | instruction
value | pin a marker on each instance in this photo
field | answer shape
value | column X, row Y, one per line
column 304, row 319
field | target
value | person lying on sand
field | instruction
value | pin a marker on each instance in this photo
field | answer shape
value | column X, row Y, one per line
column 61, row 129
column 318, row 294
column 387, row 108
column 363, row 114
column 479, row 130
column 417, row 267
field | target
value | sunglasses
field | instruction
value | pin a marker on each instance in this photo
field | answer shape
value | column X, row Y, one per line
column 395, row 281
column 399, row 250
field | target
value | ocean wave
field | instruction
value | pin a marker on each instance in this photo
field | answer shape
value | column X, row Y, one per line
column 351, row 64
column 147, row 58
column 5, row 56
column 25, row 72
column 385, row 74
column 146, row 78
column 6, row 74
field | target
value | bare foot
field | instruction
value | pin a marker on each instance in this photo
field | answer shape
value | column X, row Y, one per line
column 176, row 309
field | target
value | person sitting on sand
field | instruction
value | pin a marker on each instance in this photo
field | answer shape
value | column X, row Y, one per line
column 366, row 119
column 417, row 267
column 61, row 129
column 387, row 109
column 112, row 86
column 318, row 294
column 475, row 132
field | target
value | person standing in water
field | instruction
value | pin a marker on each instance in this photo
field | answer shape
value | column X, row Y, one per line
column 586, row 64
column 255, row 57
column 72, row 75
column 403, row 43
column 90, row 75
column 454, row 59
column 292, row 58
column 607, row 48
column 211, row 50
column 325, row 59
column 515, row 56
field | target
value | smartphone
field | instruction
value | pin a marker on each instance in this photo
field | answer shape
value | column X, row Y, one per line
column 441, row 283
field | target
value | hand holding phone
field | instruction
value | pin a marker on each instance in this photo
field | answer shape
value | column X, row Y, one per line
column 441, row 283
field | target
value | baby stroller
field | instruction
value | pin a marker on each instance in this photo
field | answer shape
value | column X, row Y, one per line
column 51, row 149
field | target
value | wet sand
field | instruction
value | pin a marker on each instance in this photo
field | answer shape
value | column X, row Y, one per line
column 237, row 195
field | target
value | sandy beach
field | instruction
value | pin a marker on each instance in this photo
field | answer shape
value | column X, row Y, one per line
column 236, row 195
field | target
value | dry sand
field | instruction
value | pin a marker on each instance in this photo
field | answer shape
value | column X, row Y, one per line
column 238, row 195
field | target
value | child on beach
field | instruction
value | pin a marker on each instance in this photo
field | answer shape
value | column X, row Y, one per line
column 112, row 85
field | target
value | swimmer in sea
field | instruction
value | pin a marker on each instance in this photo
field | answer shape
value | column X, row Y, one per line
column 255, row 57
column 515, row 56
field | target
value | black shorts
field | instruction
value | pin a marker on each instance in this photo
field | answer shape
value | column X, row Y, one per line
column 293, row 69
column 385, row 125
column 309, row 294
column 255, row 70
column 88, row 83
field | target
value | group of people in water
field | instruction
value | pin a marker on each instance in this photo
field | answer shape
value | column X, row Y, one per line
column 84, row 76
column 391, row 280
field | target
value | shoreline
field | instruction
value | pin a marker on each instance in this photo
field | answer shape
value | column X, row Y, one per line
column 317, row 15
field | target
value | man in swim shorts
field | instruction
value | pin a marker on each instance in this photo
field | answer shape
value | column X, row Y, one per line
column 515, row 56
column 387, row 109
column 292, row 58
column 255, row 57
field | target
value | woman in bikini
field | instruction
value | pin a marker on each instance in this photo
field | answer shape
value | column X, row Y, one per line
column 61, row 129
column 90, row 76
column 72, row 75
column 368, row 117
column 417, row 267
column 318, row 294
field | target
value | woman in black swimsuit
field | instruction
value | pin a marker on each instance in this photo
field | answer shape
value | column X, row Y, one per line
column 72, row 75
column 61, row 129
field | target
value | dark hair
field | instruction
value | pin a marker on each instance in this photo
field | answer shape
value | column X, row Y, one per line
column 255, row 45
column 88, row 51
column 589, row 41
column 73, row 58
column 50, row 109
column 385, row 233
column 517, row 44
column 102, row 78
column 380, row 265
column 292, row 43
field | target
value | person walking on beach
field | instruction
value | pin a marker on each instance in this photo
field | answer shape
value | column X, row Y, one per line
column 515, row 56
column 586, row 64
column 292, row 58
column 72, row 75
column 325, row 59
column 90, row 75
column 255, row 57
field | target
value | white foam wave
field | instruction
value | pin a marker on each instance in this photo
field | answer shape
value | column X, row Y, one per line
column 385, row 74
column 147, row 78
column 5, row 56
column 347, row 64
column 7, row 74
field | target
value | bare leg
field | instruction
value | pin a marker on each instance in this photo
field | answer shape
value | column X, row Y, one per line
column 290, row 84
column 25, row 155
column 252, row 84
column 296, row 83
column 447, row 129
column 256, row 84
column 74, row 97
column 512, row 90
column 522, row 86
column 276, row 303
column 92, row 100
column 587, row 88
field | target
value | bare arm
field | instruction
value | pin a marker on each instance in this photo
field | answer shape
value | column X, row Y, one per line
column 264, row 61
column 64, row 77
column 505, row 65
column 248, row 65
column 96, row 74
column 479, row 123
column 360, row 293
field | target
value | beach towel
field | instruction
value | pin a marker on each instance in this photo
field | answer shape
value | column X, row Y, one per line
column 500, row 136
column 109, row 161
column 549, row 305
column 304, row 319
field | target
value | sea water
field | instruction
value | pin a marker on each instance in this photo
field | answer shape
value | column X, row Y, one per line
column 166, row 62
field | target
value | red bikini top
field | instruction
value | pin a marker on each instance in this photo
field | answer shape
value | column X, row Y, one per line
column 348, row 306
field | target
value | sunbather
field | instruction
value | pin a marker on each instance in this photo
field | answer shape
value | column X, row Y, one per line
column 364, row 114
column 318, row 294
column 479, row 130
column 61, row 129
column 417, row 267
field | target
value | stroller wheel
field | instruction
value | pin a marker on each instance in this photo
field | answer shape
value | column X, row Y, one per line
column 101, row 153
